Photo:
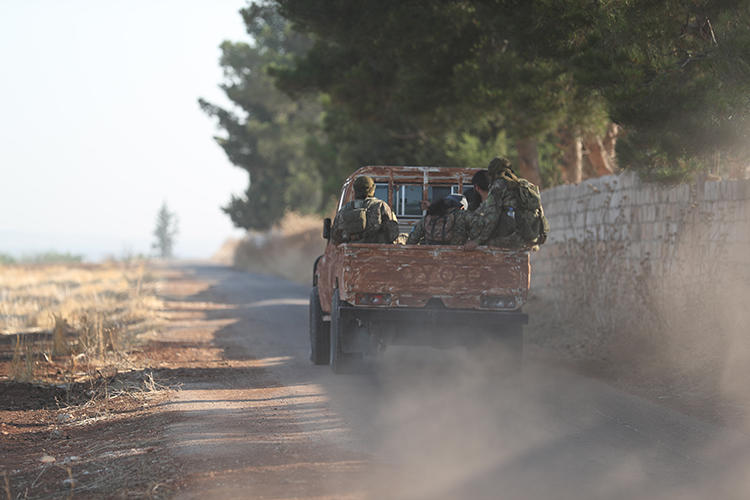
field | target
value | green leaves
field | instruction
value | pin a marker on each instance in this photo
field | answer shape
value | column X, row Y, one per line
column 265, row 133
column 323, row 87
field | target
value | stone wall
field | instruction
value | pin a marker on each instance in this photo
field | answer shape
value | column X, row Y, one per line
column 652, row 221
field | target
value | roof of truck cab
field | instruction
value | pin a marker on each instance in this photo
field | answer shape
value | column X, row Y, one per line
column 410, row 175
column 437, row 175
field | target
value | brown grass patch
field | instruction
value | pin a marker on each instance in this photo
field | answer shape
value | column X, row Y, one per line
column 288, row 250
column 106, row 444
column 62, row 323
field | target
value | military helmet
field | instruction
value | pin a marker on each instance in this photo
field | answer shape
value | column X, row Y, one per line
column 497, row 166
column 364, row 186
column 458, row 200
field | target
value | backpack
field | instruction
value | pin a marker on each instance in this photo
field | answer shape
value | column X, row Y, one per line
column 354, row 219
column 438, row 229
column 531, row 224
column 354, row 223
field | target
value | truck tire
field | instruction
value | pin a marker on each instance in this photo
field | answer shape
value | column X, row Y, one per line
column 340, row 361
column 320, row 338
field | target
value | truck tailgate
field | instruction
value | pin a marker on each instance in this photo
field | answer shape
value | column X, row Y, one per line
column 413, row 275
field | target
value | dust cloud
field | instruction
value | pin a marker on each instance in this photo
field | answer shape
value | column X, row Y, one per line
column 676, row 426
column 669, row 418
column 448, row 427
column 701, row 323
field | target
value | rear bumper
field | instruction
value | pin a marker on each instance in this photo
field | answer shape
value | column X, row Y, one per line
column 431, row 326
column 433, row 316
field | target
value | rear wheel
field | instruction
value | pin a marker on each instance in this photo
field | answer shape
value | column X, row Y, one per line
column 340, row 361
column 320, row 338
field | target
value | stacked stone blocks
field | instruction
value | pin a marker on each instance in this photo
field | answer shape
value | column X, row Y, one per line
column 651, row 219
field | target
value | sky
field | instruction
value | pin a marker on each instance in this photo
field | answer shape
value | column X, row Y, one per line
column 100, row 124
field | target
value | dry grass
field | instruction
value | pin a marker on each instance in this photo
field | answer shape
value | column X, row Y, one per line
column 73, row 317
column 287, row 250
column 22, row 363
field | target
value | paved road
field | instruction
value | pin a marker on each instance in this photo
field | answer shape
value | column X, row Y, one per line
column 425, row 424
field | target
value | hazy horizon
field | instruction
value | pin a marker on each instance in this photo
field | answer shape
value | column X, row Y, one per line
column 101, row 125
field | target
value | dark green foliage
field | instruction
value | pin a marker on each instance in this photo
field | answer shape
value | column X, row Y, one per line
column 680, row 83
column 428, row 78
column 268, row 135
column 460, row 81
column 673, row 73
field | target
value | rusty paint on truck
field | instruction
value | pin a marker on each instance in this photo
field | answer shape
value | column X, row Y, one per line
column 414, row 274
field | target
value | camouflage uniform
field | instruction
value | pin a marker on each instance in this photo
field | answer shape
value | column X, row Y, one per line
column 493, row 223
column 459, row 231
column 461, row 227
column 381, row 224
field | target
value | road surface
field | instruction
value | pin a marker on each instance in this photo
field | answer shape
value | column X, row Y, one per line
column 424, row 424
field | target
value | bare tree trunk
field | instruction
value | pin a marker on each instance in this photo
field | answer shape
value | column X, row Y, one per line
column 572, row 147
column 597, row 154
column 610, row 140
column 528, row 160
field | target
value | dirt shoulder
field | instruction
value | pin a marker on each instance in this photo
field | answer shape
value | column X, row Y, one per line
column 195, row 413
column 104, row 436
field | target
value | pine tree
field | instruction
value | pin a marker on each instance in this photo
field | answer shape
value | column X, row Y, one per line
column 674, row 75
column 265, row 131
column 165, row 232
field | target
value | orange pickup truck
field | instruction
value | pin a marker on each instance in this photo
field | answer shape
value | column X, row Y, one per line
column 366, row 296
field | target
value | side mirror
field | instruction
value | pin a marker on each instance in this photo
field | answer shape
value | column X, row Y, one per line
column 327, row 228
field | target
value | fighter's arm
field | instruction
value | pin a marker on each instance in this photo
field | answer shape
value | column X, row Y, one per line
column 386, row 212
column 389, row 222
column 417, row 234
column 461, row 227
column 484, row 221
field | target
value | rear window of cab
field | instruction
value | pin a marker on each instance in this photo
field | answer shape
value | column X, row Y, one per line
column 407, row 198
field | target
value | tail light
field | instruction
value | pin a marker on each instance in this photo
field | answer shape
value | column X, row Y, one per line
column 498, row 302
column 372, row 299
